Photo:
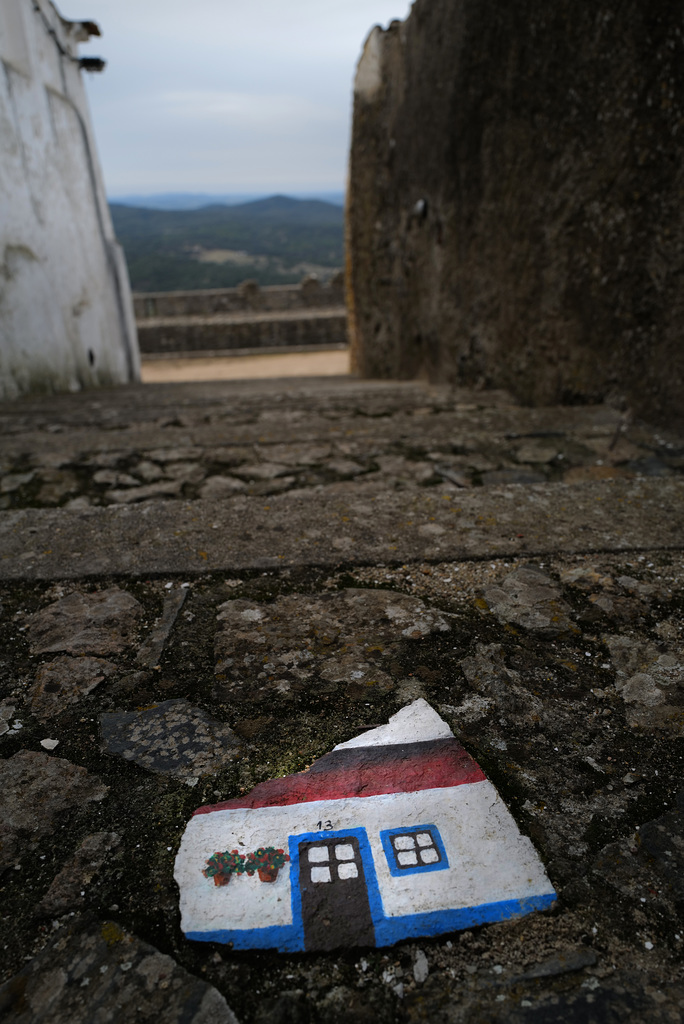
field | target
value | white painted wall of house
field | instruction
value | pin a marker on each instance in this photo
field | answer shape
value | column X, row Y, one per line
column 489, row 859
column 66, row 314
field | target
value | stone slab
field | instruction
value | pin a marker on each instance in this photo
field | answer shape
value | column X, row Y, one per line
column 334, row 642
column 151, row 650
column 529, row 598
column 64, row 681
column 205, row 535
column 172, row 738
column 651, row 860
column 68, row 889
column 100, row 974
column 99, row 623
column 396, row 836
column 35, row 792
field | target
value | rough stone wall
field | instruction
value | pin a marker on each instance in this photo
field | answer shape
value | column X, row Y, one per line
column 515, row 212
column 66, row 316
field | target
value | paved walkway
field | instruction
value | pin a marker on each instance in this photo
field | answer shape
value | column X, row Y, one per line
column 206, row 585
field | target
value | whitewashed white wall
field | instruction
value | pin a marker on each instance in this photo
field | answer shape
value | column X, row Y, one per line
column 66, row 315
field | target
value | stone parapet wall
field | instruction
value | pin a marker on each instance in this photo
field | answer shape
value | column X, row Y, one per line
column 515, row 208
column 323, row 328
column 247, row 297
column 306, row 315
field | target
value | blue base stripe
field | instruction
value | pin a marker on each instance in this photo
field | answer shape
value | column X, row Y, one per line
column 392, row 929
column 388, row 930
column 285, row 937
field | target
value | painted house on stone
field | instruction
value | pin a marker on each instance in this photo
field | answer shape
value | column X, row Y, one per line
column 395, row 834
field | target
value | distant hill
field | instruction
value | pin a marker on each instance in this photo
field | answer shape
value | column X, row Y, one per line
column 274, row 240
column 197, row 200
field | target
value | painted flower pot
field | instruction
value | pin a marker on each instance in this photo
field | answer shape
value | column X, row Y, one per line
column 221, row 865
column 268, row 874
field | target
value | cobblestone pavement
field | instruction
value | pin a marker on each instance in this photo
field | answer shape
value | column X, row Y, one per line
column 301, row 560
column 334, row 438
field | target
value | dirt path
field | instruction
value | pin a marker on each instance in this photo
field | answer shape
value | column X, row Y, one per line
column 292, row 364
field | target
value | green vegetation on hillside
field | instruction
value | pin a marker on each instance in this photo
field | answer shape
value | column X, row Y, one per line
column 274, row 241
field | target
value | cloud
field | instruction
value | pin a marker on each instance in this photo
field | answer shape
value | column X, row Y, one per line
column 214, row 94
column 274, row 112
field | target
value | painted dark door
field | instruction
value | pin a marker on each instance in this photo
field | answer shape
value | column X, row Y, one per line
column 335, row 907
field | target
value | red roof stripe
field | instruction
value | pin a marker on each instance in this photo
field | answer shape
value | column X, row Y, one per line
column 437, row 765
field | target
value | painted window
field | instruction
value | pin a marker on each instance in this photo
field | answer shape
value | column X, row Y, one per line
column 328, row 861
column 414, row 849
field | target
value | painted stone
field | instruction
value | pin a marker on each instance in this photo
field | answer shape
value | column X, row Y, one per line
column 395, row 834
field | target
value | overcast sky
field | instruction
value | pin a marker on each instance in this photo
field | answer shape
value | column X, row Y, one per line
column 225, row 95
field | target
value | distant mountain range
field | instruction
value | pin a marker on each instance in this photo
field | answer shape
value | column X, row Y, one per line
column 274, row 240
column 196, row 200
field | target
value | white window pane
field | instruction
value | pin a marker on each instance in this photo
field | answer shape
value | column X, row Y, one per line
column 424, row 839
column 404, row 842
column 407, row 858
column 345, row 852
column 347, row 871
column 320, row 874
column 318, row 854
column 429, row 856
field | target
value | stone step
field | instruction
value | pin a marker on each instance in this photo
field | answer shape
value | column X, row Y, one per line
column 328, row 437
column 280, row 531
